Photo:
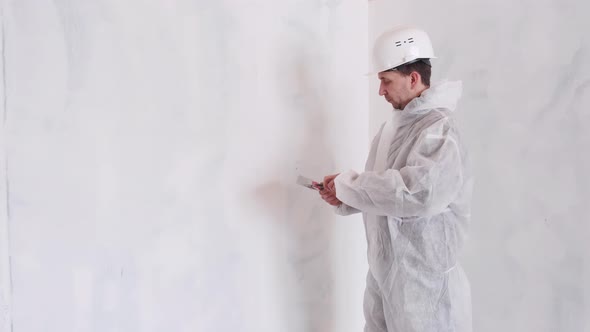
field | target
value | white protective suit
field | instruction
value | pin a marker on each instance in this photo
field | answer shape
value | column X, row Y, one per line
column 415, row 198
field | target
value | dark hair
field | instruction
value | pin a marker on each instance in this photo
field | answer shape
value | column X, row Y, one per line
column 421, row 67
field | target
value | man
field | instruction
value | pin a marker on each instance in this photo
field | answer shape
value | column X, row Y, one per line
column 414, row 196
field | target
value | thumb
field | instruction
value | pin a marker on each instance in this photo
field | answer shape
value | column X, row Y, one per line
column 332, row 186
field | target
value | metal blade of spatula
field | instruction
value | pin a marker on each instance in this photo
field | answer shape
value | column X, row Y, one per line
column 308, row 183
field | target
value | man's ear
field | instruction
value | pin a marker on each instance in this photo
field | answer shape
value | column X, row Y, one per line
column 415, row 78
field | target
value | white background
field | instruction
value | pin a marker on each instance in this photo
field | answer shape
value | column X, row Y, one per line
column 148, row 153
column 151, row 149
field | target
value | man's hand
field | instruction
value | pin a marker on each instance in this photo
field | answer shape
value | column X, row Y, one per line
column 329, row 182
column 328, row 193
column 330, row 198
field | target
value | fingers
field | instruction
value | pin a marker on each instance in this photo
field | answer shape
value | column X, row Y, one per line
column 330, row 197
column 329, row 178
column 334, row 201
column 329, row 181
column 331, row 186
column 328, row 192
column 327, row 195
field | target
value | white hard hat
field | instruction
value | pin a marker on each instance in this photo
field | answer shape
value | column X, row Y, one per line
column 399, row 46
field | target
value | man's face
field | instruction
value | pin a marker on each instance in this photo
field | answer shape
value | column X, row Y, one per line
column 396, row 88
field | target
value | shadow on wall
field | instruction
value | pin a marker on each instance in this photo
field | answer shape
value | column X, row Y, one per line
column 304, row 220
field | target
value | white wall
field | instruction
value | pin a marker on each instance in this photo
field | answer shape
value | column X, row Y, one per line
column 525, row 116
column 151, row 149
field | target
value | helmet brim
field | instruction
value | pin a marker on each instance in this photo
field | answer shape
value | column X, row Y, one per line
column 380, row 70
